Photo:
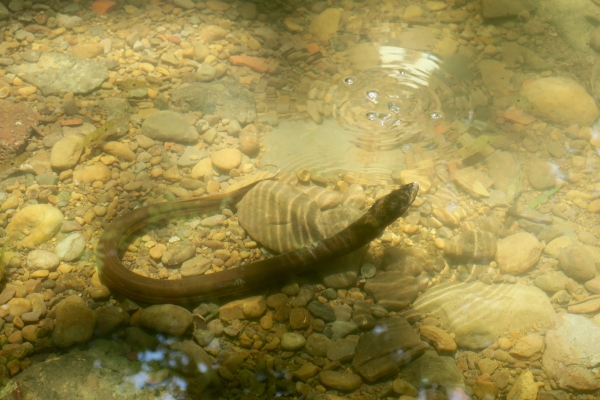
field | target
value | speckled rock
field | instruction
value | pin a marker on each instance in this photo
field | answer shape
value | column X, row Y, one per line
column 42, row 259
column 42, row 221
column 74, row 322
column 166, row 318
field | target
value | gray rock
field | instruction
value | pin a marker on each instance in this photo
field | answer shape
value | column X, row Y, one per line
column 577, row 263
column 392, row 290
column 226, row 98
column 166, row 318
column 433, row 370
column 572, row 352
column 74, row 322
column 169, row 126
column 203, row 336
column 323, row 311
column 381, row 351
column 42, row 259
column 270, row 212
column 71, row 248
column 476, row 312
column 63, row 73
column 317, row 345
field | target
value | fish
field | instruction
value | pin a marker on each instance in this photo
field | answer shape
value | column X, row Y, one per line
column 116, row 276
column 128, row 85
column 14, row 164
column 95, row 137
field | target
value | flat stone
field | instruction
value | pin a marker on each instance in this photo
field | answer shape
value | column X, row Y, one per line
column 340, row 380
column 382, row 350
column 57, row 74
column 393, row 290
column 458, row 308
column 432, row 369
column 169, row 126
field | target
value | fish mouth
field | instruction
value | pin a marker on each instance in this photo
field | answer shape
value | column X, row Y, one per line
column 414, row 191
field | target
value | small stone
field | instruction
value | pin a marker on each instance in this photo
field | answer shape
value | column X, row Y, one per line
column 74, row 322
column 292, row 341
column 166, row 318
column 226, row 159
column 441, row 339
column 340, row 380
column 243, row 309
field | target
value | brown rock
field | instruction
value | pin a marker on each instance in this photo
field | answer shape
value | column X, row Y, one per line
column 243, row 309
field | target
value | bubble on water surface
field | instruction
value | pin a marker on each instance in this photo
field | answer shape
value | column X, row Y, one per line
column 402, row 100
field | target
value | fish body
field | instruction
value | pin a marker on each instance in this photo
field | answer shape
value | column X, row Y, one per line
column 250, row 276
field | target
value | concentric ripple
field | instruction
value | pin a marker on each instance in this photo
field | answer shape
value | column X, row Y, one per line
column 409, row 97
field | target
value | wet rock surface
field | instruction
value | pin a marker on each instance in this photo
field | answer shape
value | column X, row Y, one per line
column 453, row 304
